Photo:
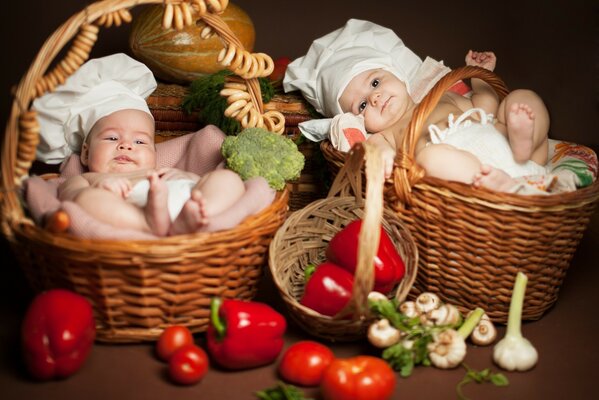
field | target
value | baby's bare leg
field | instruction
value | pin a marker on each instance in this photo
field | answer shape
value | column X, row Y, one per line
column 216, row 192
column 220, row 189
column 447, row 162
column 493, row 178
column 524, row 119
column 450, row 163
column 156, row 209
column 192, row 216
column 112, row 209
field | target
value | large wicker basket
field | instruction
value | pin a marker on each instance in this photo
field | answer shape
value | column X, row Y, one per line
column 304, row 237
column 471, row 242
column 137, row 288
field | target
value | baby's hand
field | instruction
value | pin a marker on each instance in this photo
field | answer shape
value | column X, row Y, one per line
column 117, row 185
column 484, row 59
column 388, row 155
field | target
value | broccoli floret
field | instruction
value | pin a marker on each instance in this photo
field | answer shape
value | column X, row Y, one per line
column 258, row 152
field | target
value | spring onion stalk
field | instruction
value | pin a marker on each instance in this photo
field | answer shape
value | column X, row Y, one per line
column 514, row 352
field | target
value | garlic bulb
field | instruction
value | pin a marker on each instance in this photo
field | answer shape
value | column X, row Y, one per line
column 447, row 350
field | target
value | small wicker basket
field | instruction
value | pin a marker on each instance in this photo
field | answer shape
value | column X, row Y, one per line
column 137, row 288
column 304, row 237
column 471, row 242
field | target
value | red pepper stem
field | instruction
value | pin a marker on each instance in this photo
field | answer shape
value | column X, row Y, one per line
column 217, row 322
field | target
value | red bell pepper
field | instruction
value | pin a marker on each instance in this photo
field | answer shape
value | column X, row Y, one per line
column 57, row 333
column 389, row 268
column 244, row 334
column 328, row 290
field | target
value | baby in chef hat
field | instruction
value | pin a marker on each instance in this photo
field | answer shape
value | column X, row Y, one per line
column 101, row 113
column 365, row 72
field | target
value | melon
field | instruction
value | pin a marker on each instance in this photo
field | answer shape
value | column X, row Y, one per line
column 183, row 56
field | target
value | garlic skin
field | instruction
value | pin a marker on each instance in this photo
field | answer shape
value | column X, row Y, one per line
column 514, row 353
column 426, row 302
column 447, row 350
column 381, row 334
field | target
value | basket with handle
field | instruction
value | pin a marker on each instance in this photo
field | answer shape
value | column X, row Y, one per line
column 472, row 241
column 137, row 288
column 303, row 239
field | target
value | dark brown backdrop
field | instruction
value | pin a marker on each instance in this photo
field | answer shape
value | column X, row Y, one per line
column 550, row 47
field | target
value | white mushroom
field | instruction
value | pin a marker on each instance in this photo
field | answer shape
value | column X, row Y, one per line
column 376, row 296
column 426, row 302
column 484, row 333
column 446, row 314
column 381, row 334
column 408, row 308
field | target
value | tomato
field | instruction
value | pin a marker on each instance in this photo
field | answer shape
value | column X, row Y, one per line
column 358, row 378
column 173, row 338
column 304, row 362
column 188, row 365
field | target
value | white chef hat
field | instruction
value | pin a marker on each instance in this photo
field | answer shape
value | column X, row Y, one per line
column 98, row 88
column 334, row 59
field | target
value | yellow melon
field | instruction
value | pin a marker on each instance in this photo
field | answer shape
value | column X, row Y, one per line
column 182, row 56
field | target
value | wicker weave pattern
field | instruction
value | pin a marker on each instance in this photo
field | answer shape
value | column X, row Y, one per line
column 471, row 242
column 137, row 288
column 304, row 237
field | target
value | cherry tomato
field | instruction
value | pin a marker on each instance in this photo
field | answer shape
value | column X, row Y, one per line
column 304, row 362
column 358, row 378
column 173, row 338
column 188, row 365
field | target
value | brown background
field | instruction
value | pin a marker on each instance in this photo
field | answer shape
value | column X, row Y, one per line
column 549, row 47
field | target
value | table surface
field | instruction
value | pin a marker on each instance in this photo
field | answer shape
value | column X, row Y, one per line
column 565, row 338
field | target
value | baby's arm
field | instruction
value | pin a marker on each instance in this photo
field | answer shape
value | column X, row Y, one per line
column 386, row 145
column 483, row 95
column 70, row 189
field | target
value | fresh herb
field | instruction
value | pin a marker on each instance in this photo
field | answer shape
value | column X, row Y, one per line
column 486, row 375
column 281, row 391
column 412, row 349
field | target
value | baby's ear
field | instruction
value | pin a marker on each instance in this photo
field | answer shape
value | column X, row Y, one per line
column 84, row 157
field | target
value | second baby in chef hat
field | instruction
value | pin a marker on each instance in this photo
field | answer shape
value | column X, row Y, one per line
column 332, row 61
column 364, row 76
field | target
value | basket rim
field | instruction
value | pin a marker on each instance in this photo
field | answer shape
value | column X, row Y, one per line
column 27, row 228
column 495, row 200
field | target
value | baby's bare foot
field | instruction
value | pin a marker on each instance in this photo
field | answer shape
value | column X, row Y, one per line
column 493, row 178
column 520, row 130
column 156, row 210
column 192, row 216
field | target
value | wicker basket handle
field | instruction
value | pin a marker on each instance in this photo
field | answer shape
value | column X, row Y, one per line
column 407, row 172
column 349, row 182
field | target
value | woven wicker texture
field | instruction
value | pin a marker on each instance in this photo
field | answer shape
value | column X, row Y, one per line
column 304, row 237
column 471, row 242
column 137, row 288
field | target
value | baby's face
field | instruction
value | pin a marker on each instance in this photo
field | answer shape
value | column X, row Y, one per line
column 379, row 96
column 121, row 142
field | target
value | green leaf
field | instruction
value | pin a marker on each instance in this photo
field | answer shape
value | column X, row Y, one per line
column 499, row 379
column 281, row 391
